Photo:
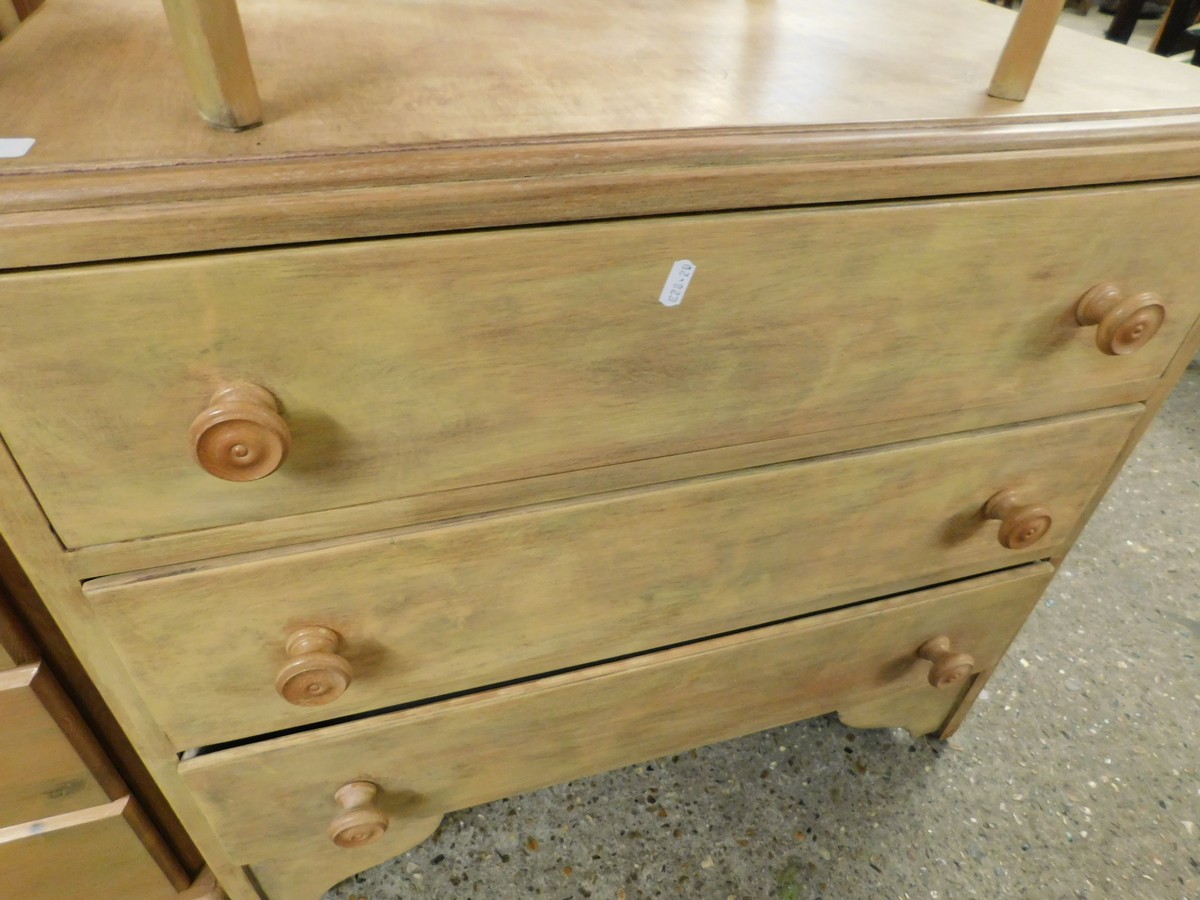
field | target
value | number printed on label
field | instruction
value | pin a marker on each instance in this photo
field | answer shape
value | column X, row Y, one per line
column 677, row 282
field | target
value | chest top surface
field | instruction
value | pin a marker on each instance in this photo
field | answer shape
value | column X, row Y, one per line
column 98, row 86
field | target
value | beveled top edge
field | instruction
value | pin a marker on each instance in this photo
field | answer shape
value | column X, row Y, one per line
column 555, row 158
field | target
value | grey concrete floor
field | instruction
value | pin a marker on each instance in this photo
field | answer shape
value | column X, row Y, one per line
column 1077, row 774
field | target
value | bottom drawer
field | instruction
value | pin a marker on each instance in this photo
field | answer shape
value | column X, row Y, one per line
column 276, row 797
column 93, row 854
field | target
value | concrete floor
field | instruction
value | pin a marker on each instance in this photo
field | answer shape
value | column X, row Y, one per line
column 1076, row 776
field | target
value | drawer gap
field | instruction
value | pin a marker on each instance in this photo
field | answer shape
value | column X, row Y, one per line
column 209, row 749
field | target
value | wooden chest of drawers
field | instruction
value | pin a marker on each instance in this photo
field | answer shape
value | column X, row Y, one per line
column 68, row 825
column 452, row 436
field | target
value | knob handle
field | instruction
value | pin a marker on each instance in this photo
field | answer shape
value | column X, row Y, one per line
column 240, row 436
column 1126, row 323
column 1021, row 525
column 360, row 822
column 315, row 674
column 948, row 667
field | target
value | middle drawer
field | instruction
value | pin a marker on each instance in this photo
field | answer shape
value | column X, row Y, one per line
column 419, row 612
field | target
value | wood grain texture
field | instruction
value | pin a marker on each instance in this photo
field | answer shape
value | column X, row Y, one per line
column 41, row 773
column 773, row 132
column 100, row 742
column 72, row 200
column 107, row 559
column 1187, row 352
column 339, row 76
column 91, row 855
column 564, row 359
column 917, row 712
column 429, row 611
column 46, row 576
column 107, row 216
column 466, row 751
column 323, row 865
column 212, row 48
column 1025, row 48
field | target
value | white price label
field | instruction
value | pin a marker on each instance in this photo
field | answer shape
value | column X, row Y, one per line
column 677, row 282
column 14, row 148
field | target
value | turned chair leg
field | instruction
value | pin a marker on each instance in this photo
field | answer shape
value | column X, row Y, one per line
column 9, row 20
column 208, row 36
column 1026, row 45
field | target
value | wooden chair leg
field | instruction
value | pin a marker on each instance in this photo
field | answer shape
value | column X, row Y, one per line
column 1181, row 15
column 208, row 36
column 9, row 20
column 1125, row 19
column 1026, row 45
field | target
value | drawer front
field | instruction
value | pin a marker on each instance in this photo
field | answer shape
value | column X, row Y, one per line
column 41, row 772
column 418, row 365
column 274, row 797
column 428, row 611
column 91, row 855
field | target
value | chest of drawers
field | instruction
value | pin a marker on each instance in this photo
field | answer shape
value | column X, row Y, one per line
column 69, row 826
column 540, row 391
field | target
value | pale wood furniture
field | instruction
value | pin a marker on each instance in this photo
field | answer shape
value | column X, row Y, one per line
column 368, row 460
column 1026, row 45
column 9, row 18
column 212, row 47
column 69, row 827
column 213, row 50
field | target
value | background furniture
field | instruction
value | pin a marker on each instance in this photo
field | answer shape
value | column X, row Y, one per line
column 544, row 389
column 69, row 827
column 1172, row 35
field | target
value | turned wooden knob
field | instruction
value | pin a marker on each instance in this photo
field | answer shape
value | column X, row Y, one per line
column 241, row 436
column 1125, row 323
column 315, row 674
column 360, row 822
column 948, row 667
column 1021, row 525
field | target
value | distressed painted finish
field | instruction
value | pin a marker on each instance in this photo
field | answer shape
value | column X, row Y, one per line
column 93, row 854
column 740, row 109
column 277, row 796
column 416, row 366
column 728, row 105
column 428, row 611
column 41, row 771
column 364, row 74
column 246, row 537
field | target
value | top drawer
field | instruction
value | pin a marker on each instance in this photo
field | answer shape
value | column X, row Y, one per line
column 424, row 364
